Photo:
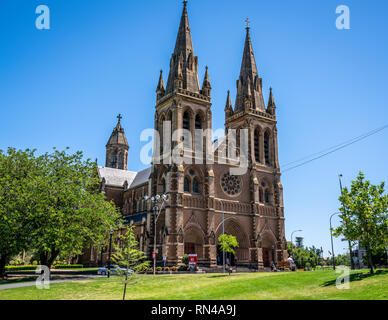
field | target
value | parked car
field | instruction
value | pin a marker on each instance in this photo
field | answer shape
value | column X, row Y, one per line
column 114, row 270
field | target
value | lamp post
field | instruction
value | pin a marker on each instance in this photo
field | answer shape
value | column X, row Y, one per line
column 223, row 232
column 350, row 245
column 331, row 238
column 110, row 250
column 293, row 233
column 154, row 200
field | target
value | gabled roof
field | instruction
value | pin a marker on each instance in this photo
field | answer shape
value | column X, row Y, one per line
column 116, row 177
column 141, row 177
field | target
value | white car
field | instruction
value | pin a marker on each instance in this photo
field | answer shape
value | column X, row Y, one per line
column 114, row 270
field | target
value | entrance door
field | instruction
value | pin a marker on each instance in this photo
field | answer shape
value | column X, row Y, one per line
column 190, row 247
column 266, row 257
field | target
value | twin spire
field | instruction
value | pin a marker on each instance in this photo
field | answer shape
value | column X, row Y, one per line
column 184, row 73
column 183, row 64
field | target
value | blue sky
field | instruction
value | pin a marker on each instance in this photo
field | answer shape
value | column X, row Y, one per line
column 64, row 86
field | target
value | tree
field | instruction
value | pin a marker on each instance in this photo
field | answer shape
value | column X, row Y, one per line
column 18, row 171
column 70, row 212
column 228, row 243
column 127, row 255
column 364, row 216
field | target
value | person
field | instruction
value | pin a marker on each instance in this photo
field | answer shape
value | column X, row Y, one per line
column 228, row 265
column 291, row 263
column 273, row 267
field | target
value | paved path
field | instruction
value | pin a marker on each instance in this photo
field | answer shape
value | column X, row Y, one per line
column 32, row 283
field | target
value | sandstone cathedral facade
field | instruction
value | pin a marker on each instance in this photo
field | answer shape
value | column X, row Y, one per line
column 200, row 194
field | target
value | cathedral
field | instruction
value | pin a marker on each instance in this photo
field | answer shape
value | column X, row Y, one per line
column 203, row 198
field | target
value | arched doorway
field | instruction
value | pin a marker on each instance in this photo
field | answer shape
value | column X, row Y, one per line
column 242, row 251
column 268, row 245
column 193, row 241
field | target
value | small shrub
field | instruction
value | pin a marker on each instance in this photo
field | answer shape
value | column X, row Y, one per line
column 182, row 268
column 166, row 269
column 159, row 269
column 185, row 259
column 68, row 266
column 174, row 268
column 35, row 263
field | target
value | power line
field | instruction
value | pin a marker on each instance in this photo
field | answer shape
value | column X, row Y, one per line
column 333, row 149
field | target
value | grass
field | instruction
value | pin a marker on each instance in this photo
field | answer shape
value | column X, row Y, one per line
column 316, row 285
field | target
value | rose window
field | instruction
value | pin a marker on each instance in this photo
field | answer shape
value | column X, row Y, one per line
column 231, row 184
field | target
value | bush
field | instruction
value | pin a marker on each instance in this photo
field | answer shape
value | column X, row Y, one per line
column 166, row 269
column 68, row 266
column 185, row 259
column 159, row 269
column 182, row 268
column 174, row 268
column 20, row 268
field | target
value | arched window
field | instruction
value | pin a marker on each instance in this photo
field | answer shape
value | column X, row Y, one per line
column 257, row 146
column 161, row 133
column 266, row 149
column 266, row 196
column 261, row 195
column 195, row 186
column 198, row 122
column 186, row 185
column 113, row 160
column 163, row 186
column 186, row 121
column 121, row 161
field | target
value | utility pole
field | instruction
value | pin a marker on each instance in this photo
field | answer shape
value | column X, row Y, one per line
column 350, row 245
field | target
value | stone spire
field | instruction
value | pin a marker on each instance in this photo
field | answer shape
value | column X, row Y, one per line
column 228, row 106
column 160, row 91
column 184, row 59
column 117, row 148
column 249, row 85
column 271, row 108
column 206, row 87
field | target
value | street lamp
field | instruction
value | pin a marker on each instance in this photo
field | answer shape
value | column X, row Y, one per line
column 331, row 237
column 293, row 233
column 110, row 250
column 154, row 200
column 350, row 245
column 223, row 232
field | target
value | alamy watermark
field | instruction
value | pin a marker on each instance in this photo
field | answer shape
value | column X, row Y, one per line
column 343, row 281
column 43, row 280
column 343, row 20
column 180, row 147
column 42, row 21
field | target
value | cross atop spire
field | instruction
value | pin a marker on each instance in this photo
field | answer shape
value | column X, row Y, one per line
column 247, row 21
column 185, row 3
column 119, row 117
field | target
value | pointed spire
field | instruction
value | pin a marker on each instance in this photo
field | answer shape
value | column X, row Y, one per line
column 160, row 88
column 228, row 107
column 118, row 136
column 189, row 63
column 271, row 108
column 206, row 87
column 249, row 83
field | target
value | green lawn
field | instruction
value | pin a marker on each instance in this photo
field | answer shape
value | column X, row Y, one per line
column 285, row 285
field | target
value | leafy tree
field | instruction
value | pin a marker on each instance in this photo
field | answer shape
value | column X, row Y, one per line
column 228, row 243
column 364, row 214
column 18, row 170
column 127, row 255
column 185, row 259
column 72, row 213
column 304, row 258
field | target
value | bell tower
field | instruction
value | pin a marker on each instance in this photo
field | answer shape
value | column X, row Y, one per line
column 183, row 106
column 117, row 148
